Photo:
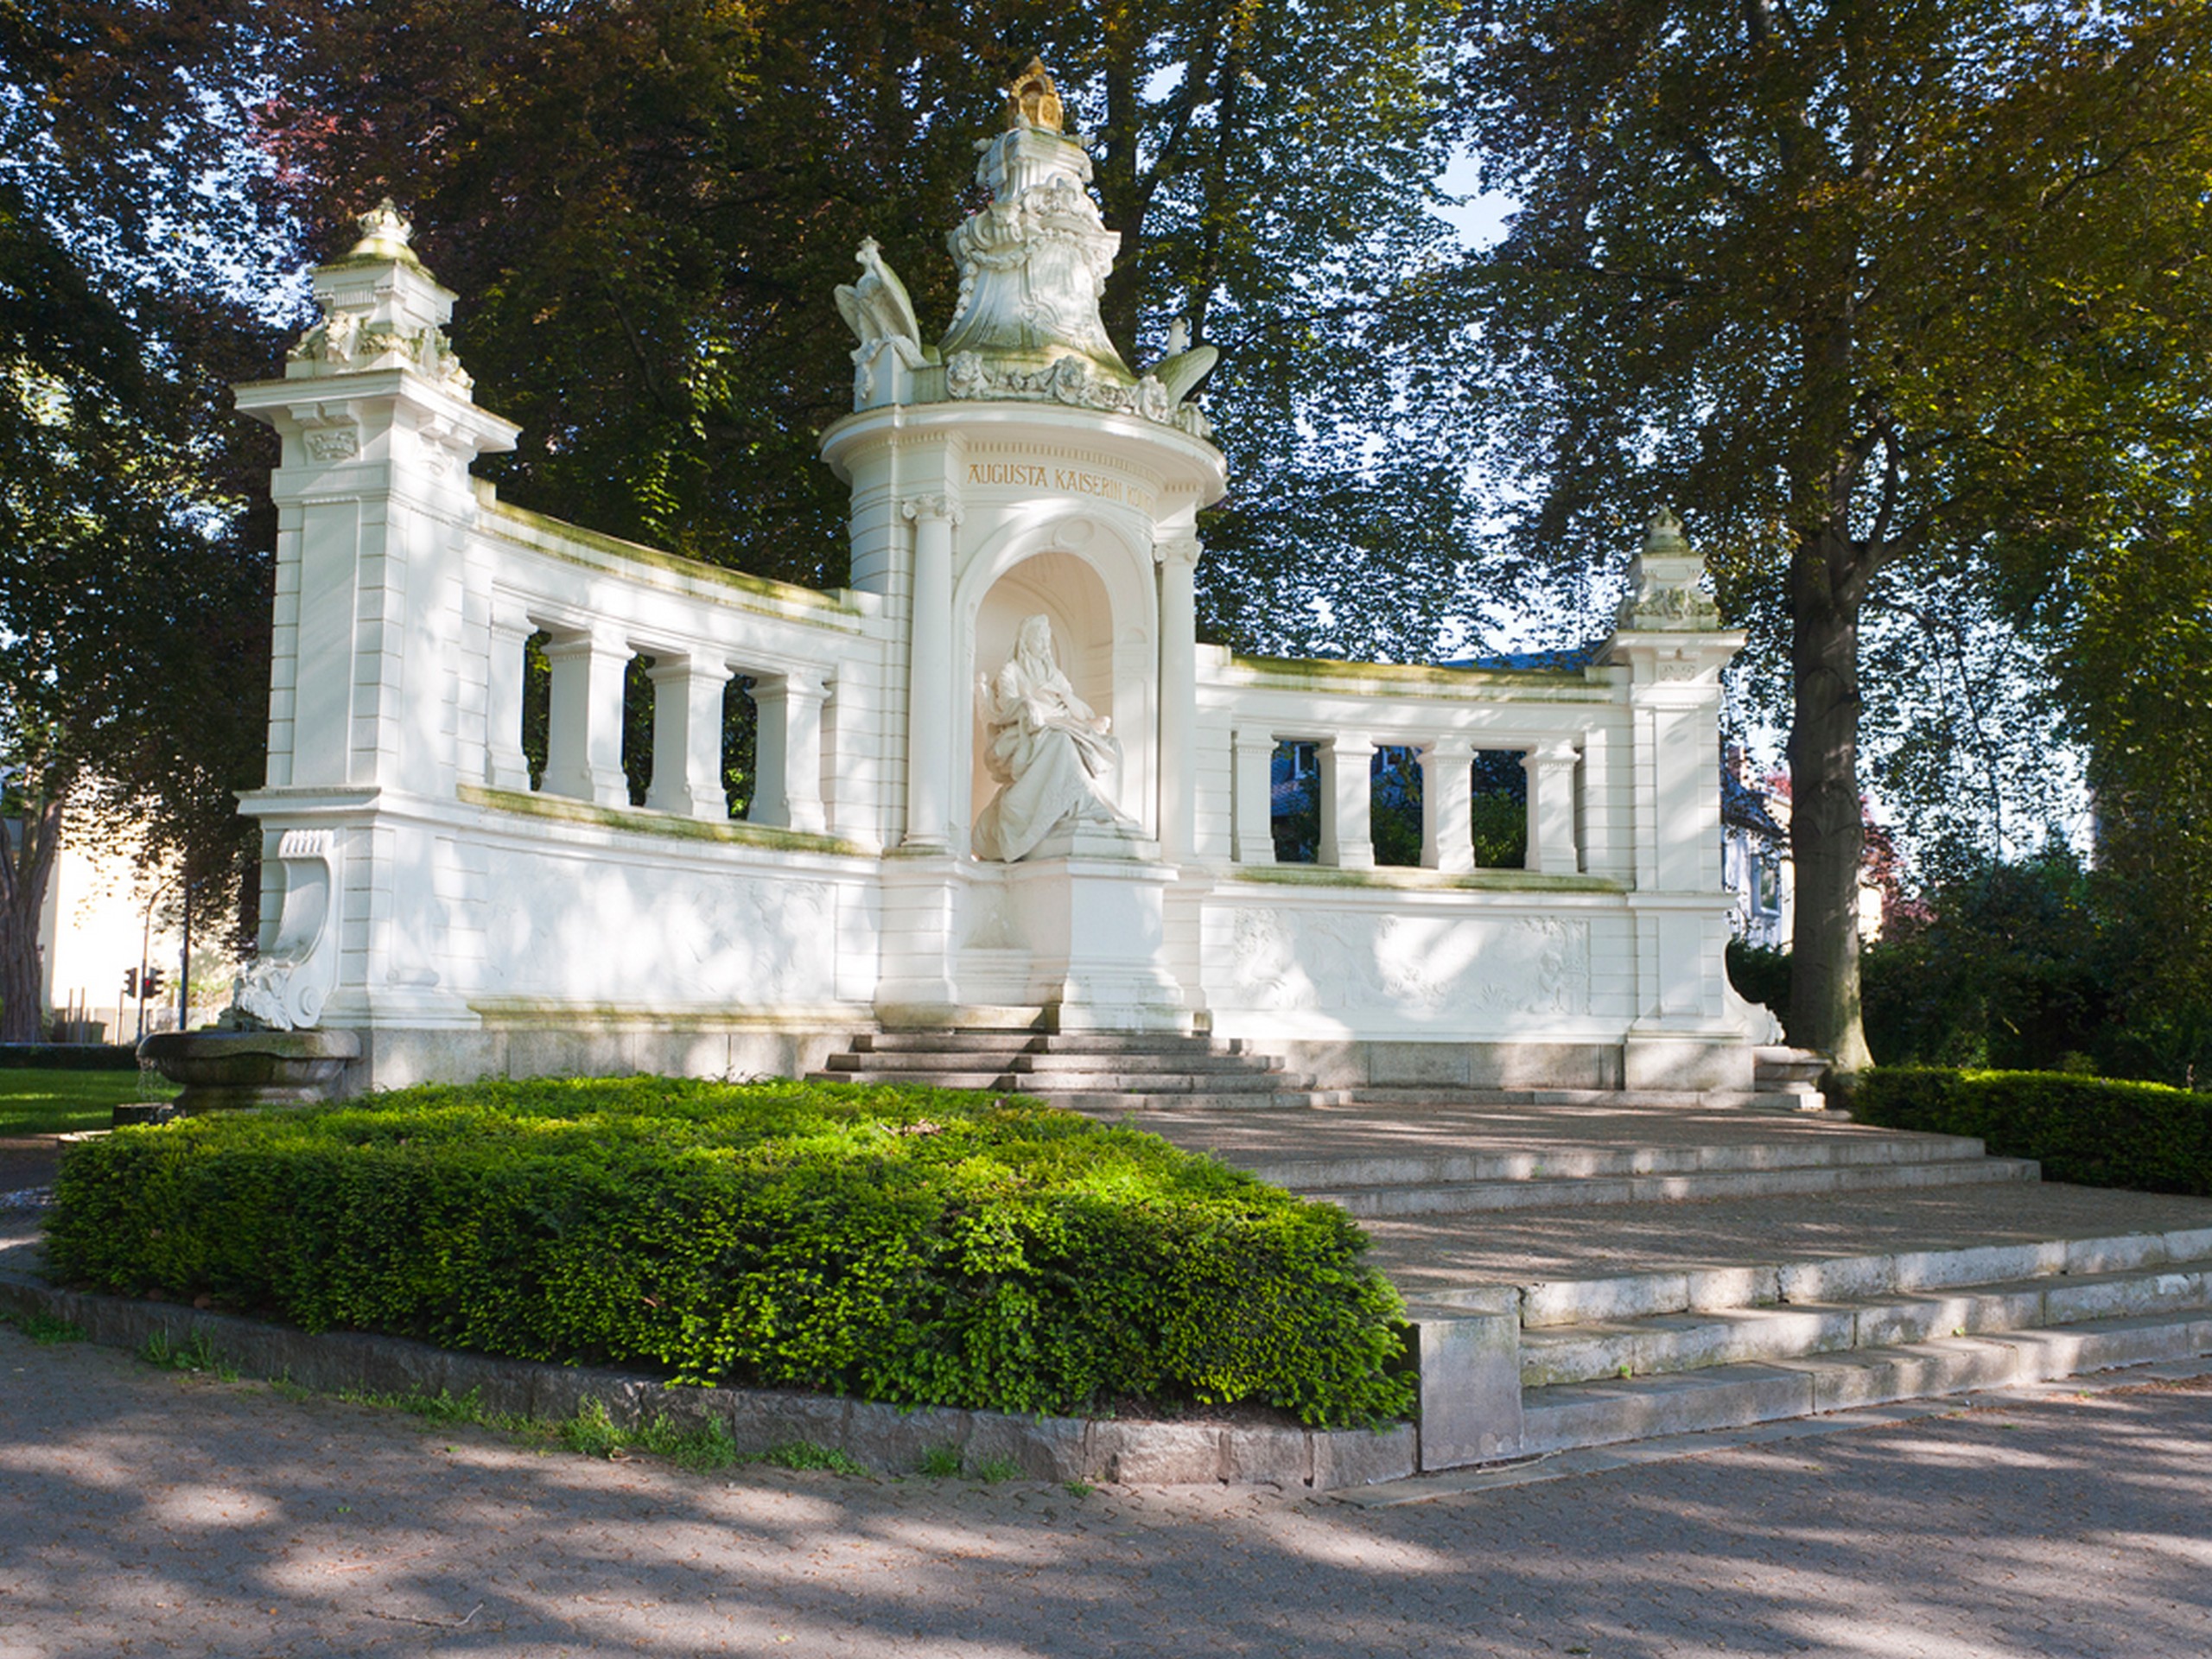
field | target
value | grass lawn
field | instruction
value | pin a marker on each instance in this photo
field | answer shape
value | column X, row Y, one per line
column 34, row 1102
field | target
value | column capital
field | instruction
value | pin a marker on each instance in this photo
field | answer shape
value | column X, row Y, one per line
column 1560, row 751
column 932, row 509
column 1453, row 746
column 1178, row 548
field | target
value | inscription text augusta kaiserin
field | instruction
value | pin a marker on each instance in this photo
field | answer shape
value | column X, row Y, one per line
column 1069, row 481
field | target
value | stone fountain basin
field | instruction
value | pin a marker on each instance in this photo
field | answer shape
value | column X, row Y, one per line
column 229, row 1071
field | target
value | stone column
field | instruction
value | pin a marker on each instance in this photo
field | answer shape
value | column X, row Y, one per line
column 506, row 767
column 1347, row 792
column 929, row 685
column 788, row 752
column 1177, row 555
column 584, row 739
column 1550, row 771
column 688, row 737
column 1447, row 805
column 1252, row 800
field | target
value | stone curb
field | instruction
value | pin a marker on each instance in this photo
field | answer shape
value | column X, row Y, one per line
column 884, row 1439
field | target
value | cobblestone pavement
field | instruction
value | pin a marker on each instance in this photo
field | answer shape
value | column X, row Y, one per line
column 146, row 1512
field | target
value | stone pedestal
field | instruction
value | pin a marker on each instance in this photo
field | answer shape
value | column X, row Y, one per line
column 1092, row 909
column 226, row 1070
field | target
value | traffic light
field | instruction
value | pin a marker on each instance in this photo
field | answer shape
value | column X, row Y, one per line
column 129, row 982
column 153, row 983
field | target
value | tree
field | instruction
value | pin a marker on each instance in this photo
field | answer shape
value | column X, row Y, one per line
column 1870, row 288
column 645, row 208
column 133, row 608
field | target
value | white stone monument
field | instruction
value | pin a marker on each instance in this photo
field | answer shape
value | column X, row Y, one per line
column 1000, row 783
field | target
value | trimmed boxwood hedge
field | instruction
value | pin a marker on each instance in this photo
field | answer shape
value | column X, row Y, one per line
column 930, row 1247
column 2090, row 1131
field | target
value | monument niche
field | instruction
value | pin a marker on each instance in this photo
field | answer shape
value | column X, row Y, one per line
column 1051, row 756
column 999, row 783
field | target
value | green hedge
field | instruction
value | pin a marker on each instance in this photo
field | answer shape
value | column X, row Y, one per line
column 915, row 1246
column 2090, row 1131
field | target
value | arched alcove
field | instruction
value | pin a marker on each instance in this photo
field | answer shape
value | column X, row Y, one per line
column 1094, row 585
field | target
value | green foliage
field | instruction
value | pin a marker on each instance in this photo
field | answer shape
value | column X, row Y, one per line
column 195, row 1353
column 1760, row 976
column 44, row 1328
column 939, row 1462
column 915, row 1246
column 2086, row 1131
column 1883, row 297
column 806, row 1454
column 644, row 208
column 2039, row 965
column 133, row 587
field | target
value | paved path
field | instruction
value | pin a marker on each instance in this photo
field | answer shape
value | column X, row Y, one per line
column 149, row 1513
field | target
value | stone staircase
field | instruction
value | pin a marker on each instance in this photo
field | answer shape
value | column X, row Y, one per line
column 1102, row 1073
column 1583, row 1271
column 1853, row 1332
column 1584, row 1267
column 1446, row 1182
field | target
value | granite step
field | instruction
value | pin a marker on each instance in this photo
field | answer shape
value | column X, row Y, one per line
column 1052, row 1062
column 1164, row 1105
column 1045, row 1042
column 1557, row 1355
column 1574, row 1416
column 1466, row 1198
column 1054, row 1084
column 1416, row 1096
column 1570, row 1161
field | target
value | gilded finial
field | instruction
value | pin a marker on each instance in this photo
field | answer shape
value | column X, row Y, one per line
column 1033, row 100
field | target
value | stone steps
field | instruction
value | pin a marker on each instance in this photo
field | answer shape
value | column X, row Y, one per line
column 1417, row 1096
column 1458, row 1198
column 1054, row 1063
column 1543, row 1366
column 1795, row 1072
column 1044, row 1042
column 1343, row 1178
column 1101, row 1074
column 1555, row 1355
column 1737, row 1396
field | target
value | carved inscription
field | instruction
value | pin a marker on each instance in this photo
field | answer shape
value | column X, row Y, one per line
column 1068, row 480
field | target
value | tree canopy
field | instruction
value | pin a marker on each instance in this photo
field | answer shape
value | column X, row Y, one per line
column 645, row 207
column 133, row 607
column 1872, row 290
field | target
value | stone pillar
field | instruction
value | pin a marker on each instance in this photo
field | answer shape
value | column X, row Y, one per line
column 1447, row 806
column 1252, row 800
column 1550, row 771
column 1347, row 793
column 688, row 737
column 1177, row 555
column 929, row 685
column 788, row 752
column 506, row 767
column 583, row 756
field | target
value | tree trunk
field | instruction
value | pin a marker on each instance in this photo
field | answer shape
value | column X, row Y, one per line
column 1826, row 832
column 23, row 876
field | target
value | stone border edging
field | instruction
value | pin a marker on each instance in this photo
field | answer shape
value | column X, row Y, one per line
column 884, row 1438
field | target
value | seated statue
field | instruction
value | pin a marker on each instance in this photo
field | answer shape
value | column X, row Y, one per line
column 1051, row 755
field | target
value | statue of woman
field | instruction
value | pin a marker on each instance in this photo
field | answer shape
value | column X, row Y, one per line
column 1050, row 754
